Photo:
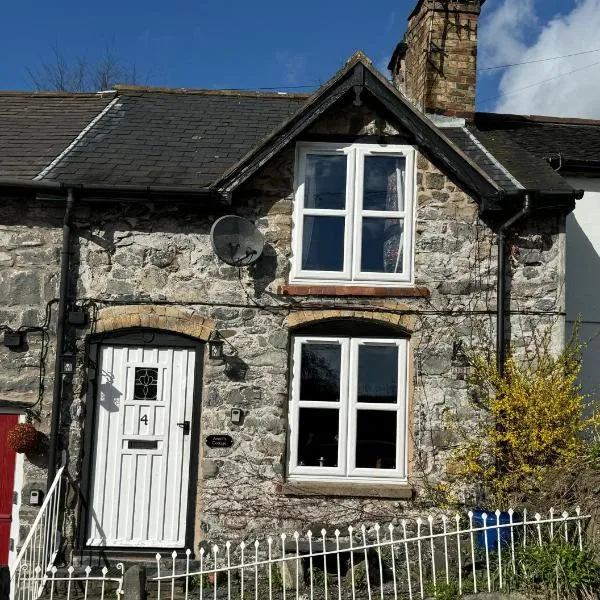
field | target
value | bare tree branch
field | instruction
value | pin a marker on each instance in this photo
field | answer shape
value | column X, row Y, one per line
column 58, row 74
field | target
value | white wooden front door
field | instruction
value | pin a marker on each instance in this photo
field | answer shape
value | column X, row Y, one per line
column 140, row 466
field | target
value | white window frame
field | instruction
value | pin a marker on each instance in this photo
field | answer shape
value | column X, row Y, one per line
column 353, row 213
column 348, row 408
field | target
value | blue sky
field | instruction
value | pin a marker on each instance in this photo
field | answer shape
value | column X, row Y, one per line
column 241, row 44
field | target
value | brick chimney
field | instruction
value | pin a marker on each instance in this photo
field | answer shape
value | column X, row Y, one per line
column 435, row 64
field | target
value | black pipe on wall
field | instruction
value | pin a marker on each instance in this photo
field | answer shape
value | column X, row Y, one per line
column 501, row 283
column 65, row 265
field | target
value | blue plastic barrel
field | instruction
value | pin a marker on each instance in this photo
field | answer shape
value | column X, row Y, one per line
column 493, row 532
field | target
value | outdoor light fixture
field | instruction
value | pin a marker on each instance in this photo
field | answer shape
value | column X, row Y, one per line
column 77, row 318
column 215, row 346
column 68, row 363
column 460, row 361
column 13, row 339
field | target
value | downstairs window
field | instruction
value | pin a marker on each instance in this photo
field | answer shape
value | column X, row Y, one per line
column 348, row 408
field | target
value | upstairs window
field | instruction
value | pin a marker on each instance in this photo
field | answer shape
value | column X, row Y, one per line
column 353, row 214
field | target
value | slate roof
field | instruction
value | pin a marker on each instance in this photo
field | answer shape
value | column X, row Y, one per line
column 36, row 128
column 511, row 166
column 468, row 144
column 191, row 138
column 575, row 140
column 158, row 137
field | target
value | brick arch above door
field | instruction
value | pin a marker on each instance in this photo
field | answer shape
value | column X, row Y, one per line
column 149, row 316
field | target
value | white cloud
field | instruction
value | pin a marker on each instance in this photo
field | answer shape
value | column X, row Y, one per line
column 293, row 66
column 503, row 32
column 576, row 94
column 391, row 22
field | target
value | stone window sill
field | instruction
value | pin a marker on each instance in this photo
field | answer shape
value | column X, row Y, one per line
column 401, row 491
column 357, row 290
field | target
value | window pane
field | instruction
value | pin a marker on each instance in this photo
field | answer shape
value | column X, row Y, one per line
column 325, row 184
column 376, row 439
column 318, row 435
column 145, row 386
column 384, row 183
column 377, row 374
column 323, row 244
column 382, row 245
column 320, row 372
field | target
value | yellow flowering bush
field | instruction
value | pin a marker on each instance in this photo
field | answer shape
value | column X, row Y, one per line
column 533, row 421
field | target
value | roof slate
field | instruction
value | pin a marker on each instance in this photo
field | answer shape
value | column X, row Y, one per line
column 461, row 138
column 36, row 128
column 531, row 171
column 173, row 139
column 544, row 137
column 160, row 137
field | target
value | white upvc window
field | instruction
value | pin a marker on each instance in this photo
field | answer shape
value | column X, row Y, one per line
column 348, row 409
column 353, row 214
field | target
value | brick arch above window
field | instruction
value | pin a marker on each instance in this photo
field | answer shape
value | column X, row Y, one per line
column 166, row 318
column 390, row 317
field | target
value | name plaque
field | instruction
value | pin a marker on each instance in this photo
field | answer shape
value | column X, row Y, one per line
column 219, row 441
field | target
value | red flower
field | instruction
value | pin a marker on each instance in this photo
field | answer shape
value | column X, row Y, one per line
column 23, row 437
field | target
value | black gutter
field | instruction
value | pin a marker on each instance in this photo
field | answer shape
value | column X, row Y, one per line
column 575, row 165
column 65, row 264
column 154, row 192
column 501, row 288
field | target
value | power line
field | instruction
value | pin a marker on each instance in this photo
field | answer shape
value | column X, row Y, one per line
column 526, row 62
column 518, row 90
column 264, row 89
column 529, row 62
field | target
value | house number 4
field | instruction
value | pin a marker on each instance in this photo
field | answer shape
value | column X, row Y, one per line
column 144, row 419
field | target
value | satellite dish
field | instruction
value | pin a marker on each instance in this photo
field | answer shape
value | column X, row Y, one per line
column 236, row 240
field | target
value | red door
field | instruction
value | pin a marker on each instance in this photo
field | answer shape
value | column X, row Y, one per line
column 7, row 480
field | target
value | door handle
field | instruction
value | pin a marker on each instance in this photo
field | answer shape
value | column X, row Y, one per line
column 185, row 426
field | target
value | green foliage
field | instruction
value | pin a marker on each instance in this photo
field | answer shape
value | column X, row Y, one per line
column 318, row 578
column 443, row 590
column 532, row 425
column 360, row 576
column 276, row 577
column 559, row 568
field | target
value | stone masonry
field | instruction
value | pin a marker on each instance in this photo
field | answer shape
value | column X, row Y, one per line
column 152, row 265
column 437, row 71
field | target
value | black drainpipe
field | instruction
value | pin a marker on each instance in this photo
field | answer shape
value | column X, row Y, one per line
column 65, row 264
column 501, row 290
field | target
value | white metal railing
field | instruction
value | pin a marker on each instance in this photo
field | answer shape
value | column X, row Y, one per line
column 413, row 559
column 40, row 547
column 68, row 583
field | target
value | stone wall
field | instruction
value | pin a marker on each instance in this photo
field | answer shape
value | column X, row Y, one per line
column 158, row 258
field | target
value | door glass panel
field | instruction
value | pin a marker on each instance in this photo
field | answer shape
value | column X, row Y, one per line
column 323, row 243
column 384, row 183
column 320, row 372
column 377, row 374
column 325, row 184
column 376, row 439
column 382, row 245
column 318, row 436
column 146, row 383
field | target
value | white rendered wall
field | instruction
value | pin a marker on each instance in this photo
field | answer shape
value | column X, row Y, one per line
column 583, row 277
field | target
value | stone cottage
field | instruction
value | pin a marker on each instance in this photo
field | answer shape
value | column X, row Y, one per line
column 396, row 233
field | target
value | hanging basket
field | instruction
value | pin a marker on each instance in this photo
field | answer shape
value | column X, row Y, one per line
column 23, row 437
